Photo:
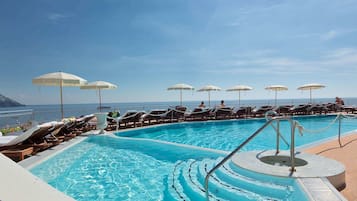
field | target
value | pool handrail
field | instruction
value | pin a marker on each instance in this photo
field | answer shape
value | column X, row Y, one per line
column 293, row 124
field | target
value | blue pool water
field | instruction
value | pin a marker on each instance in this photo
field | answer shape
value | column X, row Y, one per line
column 227, row 135
column 110, row 168
column 107, row 168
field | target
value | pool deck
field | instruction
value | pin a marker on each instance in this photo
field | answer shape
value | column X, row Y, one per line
column 331, row 149
column 18, row 184
column 347, row 154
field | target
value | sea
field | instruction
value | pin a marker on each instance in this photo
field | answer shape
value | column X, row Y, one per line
column 45, row 113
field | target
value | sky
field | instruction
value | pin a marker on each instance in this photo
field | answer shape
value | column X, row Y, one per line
column 146, row 46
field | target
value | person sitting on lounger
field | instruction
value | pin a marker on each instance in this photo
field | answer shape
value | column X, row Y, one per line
column 339, row 101
column 202, row 105
column 222, row 104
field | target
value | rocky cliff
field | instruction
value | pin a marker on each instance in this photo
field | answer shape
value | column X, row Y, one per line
column 8, row 102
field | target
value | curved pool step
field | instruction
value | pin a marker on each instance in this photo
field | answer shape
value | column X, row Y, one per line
column 264, row 188
column 175, row 188
column 228, row 190
column 186, row 182
column 260, row 177
column 192, row 186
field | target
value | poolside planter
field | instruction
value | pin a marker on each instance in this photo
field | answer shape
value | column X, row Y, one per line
column 101, row 121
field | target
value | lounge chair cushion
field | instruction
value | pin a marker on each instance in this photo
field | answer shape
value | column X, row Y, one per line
column 13, row 139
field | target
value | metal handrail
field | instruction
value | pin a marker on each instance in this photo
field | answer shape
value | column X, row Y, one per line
column 270, row 121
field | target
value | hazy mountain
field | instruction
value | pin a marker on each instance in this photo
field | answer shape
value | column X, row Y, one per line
column 8, row 102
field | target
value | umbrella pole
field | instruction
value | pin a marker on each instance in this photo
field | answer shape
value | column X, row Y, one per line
column 61, row 99
column 310, row 97
column 180, row 97
column 100, row 102
column 209, row 99
column 276, row 92
column 238, row 99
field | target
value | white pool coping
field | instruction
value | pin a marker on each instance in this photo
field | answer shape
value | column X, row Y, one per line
column 318, row 177
column 17, row 184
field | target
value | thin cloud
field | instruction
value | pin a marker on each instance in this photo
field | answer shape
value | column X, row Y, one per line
column 330, row 35
column 342, row 52
column 339, row 62
column 55, row 17
column 326, row 36
column 244, row 15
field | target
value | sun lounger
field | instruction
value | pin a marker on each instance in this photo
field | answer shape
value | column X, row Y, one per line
column 37, row 140
column 284, row 109
column 348, row 109
column 333, row 107
column 67, row 131
column 198, row 114
column 243, row 112
column 154, row 116
column 131, row 118
column 17, row 154
column 82, row 123
column 11, row 140
column 9, row 145
column 260, row 112
column 300, row 109
column 76, row 126
column 53, row 137
column 222, row 113
column 317, row 109
column 175, row 114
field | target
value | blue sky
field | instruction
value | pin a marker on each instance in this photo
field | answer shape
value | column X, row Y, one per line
column 146, row 46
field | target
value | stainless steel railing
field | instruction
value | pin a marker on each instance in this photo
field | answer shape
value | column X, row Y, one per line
column 270, row 121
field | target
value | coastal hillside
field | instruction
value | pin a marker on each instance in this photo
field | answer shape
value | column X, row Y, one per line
column 8, row 102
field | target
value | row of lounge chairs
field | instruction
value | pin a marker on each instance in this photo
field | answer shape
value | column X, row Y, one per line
column 180, row 113
column 43, row 136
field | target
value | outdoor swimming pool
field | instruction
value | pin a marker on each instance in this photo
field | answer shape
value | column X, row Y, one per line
column 109, row 168
column 114, row 168
column 227, row 135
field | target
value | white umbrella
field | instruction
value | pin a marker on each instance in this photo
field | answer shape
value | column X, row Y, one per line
column 209, row 88
column 99, row 85
column 240, row 88
column 60, row 79
column 276, row 88
column 311, row 87
column 181, row 87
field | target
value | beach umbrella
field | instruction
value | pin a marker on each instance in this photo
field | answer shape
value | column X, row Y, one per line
column 276, row 88
column 240, row 88
column 99, row 85
column 209, row 88
column 181, row 87
column 60, row 79
column 311, row 87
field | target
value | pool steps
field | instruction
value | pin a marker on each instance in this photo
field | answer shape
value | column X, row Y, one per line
column 186, row 182
column 175, row 188
column 228, row 190
column 236, row 179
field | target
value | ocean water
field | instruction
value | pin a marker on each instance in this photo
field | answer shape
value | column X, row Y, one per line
column 43, row 113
